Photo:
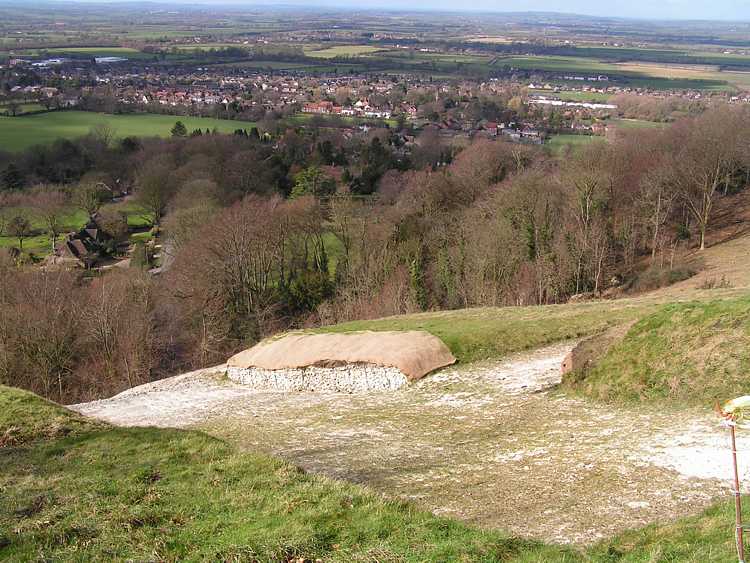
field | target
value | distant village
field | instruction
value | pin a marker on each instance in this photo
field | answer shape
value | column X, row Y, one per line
column 518, row 111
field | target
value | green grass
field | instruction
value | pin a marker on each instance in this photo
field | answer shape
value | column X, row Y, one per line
column 78, row 490
column 705, row 538
column 40, row 243
column 558, row 143
column 93, row 51
column 137, row 216
column 687, row 353
column 656, row 76
column 342, row 51
column 24, row 108
column 637, row 124
column 73, row 490
column 305, row 117
column 574, row 96
column 124, row 52
column 74, row 219
column 18, row 133
column 484, row 333
column 555, row 63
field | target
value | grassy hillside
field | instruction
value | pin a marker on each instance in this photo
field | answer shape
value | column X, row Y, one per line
column 691, row 353
column 705, row 538
column 485, row 333
column 76, row 490
column 18, row 133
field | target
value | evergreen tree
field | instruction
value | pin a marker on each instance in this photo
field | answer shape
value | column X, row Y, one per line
column 179, row 130
column 11, row 178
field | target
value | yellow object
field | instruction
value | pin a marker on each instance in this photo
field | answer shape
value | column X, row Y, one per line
column 738, row 410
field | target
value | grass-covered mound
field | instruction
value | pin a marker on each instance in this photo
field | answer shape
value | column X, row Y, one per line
column 100, row 493
column 690, row 353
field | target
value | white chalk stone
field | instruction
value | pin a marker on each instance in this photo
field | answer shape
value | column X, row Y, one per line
column 351, row 378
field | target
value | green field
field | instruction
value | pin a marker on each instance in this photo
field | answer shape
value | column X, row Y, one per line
column 558, row 143
column 305, row 117
column 636, row 123
column 573, row 96
column 18, row 133
column 124, row 52
column 651, row 75
column 74, row 219
column 24, row 108
column 342, row 51
column 40, row 243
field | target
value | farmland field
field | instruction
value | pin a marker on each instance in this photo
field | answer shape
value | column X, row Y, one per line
column 23, row 108
column 125, row 52
column 18, row 133
column 636, row 124
column 655, row 75
column 572, row 96
column 343, row 51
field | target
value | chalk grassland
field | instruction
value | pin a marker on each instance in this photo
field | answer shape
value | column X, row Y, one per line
column 686, row 353
column 76, row 489
column 18, row 133
column 488, row 333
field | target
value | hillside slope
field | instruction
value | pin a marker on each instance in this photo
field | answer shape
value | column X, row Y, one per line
column 74, row 489
column 695, row 352
column 724, row 263
column 78, row 490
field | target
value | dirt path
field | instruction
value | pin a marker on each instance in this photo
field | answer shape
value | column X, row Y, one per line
column 488, row 443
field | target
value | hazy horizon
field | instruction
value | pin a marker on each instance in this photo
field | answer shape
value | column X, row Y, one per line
column 719, row 10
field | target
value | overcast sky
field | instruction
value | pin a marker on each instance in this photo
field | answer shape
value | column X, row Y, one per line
column 648, row 9
column 672, row 9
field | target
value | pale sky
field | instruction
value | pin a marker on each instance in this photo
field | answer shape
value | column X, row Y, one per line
column 738, row 10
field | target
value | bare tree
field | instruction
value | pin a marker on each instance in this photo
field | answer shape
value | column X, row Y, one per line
column 50, row 205
column 89, row 197
column 154, row 188
column 19, row 227
column 587, row 179
column 708, row 154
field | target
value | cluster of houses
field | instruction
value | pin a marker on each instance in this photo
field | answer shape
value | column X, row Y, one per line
column 82, row 248
column 361, row 108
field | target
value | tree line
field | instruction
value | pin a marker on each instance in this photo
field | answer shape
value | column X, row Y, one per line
column 320, row 228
